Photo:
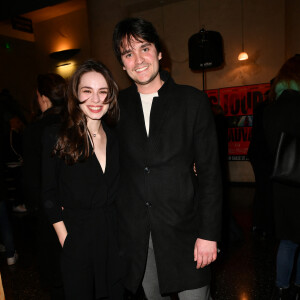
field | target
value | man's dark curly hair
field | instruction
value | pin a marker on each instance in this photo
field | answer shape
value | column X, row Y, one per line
column 134, row 28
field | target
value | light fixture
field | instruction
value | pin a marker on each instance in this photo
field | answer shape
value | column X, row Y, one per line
column 64, row 54
column 243, row 55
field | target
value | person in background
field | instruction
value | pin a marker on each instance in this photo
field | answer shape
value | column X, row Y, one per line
column 80, row 171
column 231, row 231
column 50, row 99
column 6, row 233
column 170, row 219
column 261, row 162
column 49, row 105
column 14, row 124
column 282, row 115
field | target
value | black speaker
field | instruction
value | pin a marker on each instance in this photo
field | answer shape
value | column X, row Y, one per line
column 205, row 50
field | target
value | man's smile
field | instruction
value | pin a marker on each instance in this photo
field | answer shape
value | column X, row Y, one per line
column 141, row 69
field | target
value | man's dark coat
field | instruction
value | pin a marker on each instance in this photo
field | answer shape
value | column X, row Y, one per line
column 159, row 191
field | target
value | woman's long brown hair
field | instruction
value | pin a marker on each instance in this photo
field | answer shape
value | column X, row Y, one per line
column 73, row 141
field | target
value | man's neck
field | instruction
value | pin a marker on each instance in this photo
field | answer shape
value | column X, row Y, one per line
column 151, row 87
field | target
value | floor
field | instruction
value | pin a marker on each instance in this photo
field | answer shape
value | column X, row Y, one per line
column 244, row 269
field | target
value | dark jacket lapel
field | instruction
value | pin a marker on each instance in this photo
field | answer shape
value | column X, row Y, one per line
column 134, row 110
column 160, row 106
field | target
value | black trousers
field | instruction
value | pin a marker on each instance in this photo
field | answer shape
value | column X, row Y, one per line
column 49, row 250
column 79, row 284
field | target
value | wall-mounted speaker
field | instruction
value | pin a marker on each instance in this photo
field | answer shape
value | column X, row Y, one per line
column 205, row 50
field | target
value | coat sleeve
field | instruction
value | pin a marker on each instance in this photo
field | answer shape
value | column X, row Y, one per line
column 208, row 172
column 50, row 176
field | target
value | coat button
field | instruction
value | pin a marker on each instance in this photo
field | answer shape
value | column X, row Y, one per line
column 147, row 170
column 148, row 204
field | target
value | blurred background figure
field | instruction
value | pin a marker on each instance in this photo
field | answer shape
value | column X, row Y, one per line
column 13, row 125
column 49, row 108
column 282, row 115
column 262, row 164
column 6, row 234
column 231, row 232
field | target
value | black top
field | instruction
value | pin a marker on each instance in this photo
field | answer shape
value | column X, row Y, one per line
column 87, row 195
column 32, row 155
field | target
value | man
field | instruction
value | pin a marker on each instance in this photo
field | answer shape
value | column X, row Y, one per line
column 169, row 217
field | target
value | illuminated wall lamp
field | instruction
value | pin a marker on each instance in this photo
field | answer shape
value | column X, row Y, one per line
column 63, row 56
column 243, row 56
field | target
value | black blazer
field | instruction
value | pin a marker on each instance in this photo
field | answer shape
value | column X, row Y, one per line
column 159, row 191
column 88, row 196
column 32, row 153
column 283, row 115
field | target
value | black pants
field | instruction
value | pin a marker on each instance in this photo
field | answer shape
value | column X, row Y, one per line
column 79, row 285
column 49, row 250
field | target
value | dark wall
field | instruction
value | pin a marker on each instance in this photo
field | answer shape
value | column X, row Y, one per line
column 18, row 69
column 13, row 8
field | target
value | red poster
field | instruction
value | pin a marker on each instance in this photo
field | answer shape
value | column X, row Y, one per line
column 238, row 104
column 213, row 96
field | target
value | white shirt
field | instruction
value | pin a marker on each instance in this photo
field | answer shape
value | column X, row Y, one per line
column 147, row 100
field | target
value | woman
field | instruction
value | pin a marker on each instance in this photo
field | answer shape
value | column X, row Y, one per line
column 50, row 103
column 282, row 115
column 80, row 179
